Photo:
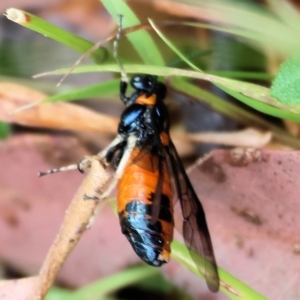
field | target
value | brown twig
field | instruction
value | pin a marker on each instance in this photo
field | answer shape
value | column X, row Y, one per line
column 77, row 219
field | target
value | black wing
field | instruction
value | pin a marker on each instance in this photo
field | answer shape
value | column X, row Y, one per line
column 195, row 231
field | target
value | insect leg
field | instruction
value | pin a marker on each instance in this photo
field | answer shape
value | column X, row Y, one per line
column 131, row 142
column 124, row 77
column 85, row 163
column 106, row 152
column 56, row 170
column 102, row 156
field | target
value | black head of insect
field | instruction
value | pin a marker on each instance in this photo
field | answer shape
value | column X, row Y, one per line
column 146, row 114
column 149, row 85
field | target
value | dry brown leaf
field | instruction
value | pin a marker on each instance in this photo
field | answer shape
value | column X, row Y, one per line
column 32, row 210
column 64, row 116
column 251, row 200
column 249, row 137
column 292, row 127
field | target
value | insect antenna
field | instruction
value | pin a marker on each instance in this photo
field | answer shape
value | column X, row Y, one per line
column 124, row 77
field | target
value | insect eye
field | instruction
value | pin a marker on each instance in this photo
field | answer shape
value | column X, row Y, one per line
column 137, row 82
column 136, row 79
column 150, row 82
column 143, row 82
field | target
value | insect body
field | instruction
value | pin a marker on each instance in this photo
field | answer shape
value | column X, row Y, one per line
column 136, row 196
column 144, row 190
column 144, row 157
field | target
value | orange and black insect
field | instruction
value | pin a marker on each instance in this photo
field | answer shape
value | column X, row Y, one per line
column 144, row 158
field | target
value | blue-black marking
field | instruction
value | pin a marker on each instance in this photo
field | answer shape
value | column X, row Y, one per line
column 145, row 238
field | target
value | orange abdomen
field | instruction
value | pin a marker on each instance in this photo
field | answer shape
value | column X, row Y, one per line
column 136, row 189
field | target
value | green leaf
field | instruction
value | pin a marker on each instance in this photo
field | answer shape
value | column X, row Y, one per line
column 5, row 130
column 286, row 85
column 56, row 33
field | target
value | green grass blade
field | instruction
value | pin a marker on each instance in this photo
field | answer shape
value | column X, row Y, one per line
column 171, row 45
column 286, row 12
column 5, row 130
column 106, row 88
column 56, row 33
column 140, row 40
column 232, row 111
column 252, row 91
column 243, row 75
column 261, row 97
column 101, row 288
column 230, row 285
column 56, row 293
column 107, row 285
column 249, row 19
column 262, row 107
